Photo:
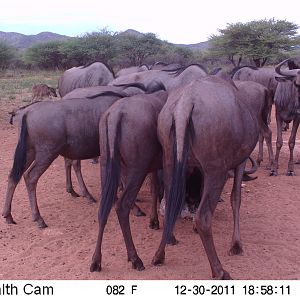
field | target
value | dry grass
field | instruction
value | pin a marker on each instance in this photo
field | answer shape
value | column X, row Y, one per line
column 16, row 86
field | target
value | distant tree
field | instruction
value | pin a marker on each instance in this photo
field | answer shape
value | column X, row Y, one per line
column 7, row 55
column 45, row 55
column 100, row 46
column 256, row 40
column 136, row 49
column 73, row 53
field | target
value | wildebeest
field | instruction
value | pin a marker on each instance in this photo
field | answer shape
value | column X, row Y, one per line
column 130, row 150
column 42, row 90
column 266, row 77
column 208, row 124
column 48, row 129
column 93, row 74
column 287, row 104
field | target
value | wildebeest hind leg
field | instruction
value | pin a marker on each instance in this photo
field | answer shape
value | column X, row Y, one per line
column 154, row 222
column 31, row 177
column 123, row 206
column 236, row 244
column 211, row 194
column 85, row 193
column 69, row 186
column 11, row 189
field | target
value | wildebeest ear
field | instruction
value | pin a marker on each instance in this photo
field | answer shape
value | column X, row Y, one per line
column 284, row 79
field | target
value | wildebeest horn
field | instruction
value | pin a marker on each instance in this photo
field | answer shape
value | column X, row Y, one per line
column 285, row 72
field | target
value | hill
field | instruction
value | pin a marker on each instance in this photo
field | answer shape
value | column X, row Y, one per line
column 22, row 41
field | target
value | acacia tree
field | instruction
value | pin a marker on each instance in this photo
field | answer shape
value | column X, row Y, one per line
column 255, row 40
column 7, row 54
column 136, row 49
column 45, row 55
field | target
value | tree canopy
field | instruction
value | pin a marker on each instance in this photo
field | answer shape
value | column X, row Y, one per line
column 256, row 40
column 7, row 54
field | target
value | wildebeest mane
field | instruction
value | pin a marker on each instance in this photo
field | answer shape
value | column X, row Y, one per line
column 285, row 96
column 109, row 93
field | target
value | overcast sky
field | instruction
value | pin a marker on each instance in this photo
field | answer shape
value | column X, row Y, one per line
column 185, row 21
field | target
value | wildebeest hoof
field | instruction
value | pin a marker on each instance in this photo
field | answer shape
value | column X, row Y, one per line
column 290, row 173
column 158, row 259
column 154, row 224
column 223, row 276
column 41, row 224
column 73, row 193
column 94, row 161
column 95, row 267
column 273, row 173
column 9, row 219
column 172, row 241
column 138, row 212
column 236, row 249
column 91, row 199
column 138, row 265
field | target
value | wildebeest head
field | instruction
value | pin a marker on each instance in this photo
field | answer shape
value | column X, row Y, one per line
column 293, row 78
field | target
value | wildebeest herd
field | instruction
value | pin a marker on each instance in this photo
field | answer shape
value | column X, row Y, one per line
column 168, row 120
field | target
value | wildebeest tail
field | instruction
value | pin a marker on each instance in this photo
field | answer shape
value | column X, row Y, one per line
column 20, row 153
column 112, row 169
column 182, row 132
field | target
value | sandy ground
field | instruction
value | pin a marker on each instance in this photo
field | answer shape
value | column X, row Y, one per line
column 270, row 229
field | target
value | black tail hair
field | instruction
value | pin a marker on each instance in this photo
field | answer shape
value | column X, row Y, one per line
column 112, row 176
column 20, row 153
column 176, row 198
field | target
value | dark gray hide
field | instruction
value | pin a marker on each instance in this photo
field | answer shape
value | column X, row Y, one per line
column 94, row 74
column 49, row 129
column 287, row 109
column 207, row 124
column 129, row 149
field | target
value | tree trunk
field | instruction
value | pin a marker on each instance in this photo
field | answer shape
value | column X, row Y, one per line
column 264, row 61
column 257, row 62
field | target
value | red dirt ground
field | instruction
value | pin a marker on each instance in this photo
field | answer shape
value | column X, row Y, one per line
column 270, row 229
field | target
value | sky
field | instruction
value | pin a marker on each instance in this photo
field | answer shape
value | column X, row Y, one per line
column 180, row 22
